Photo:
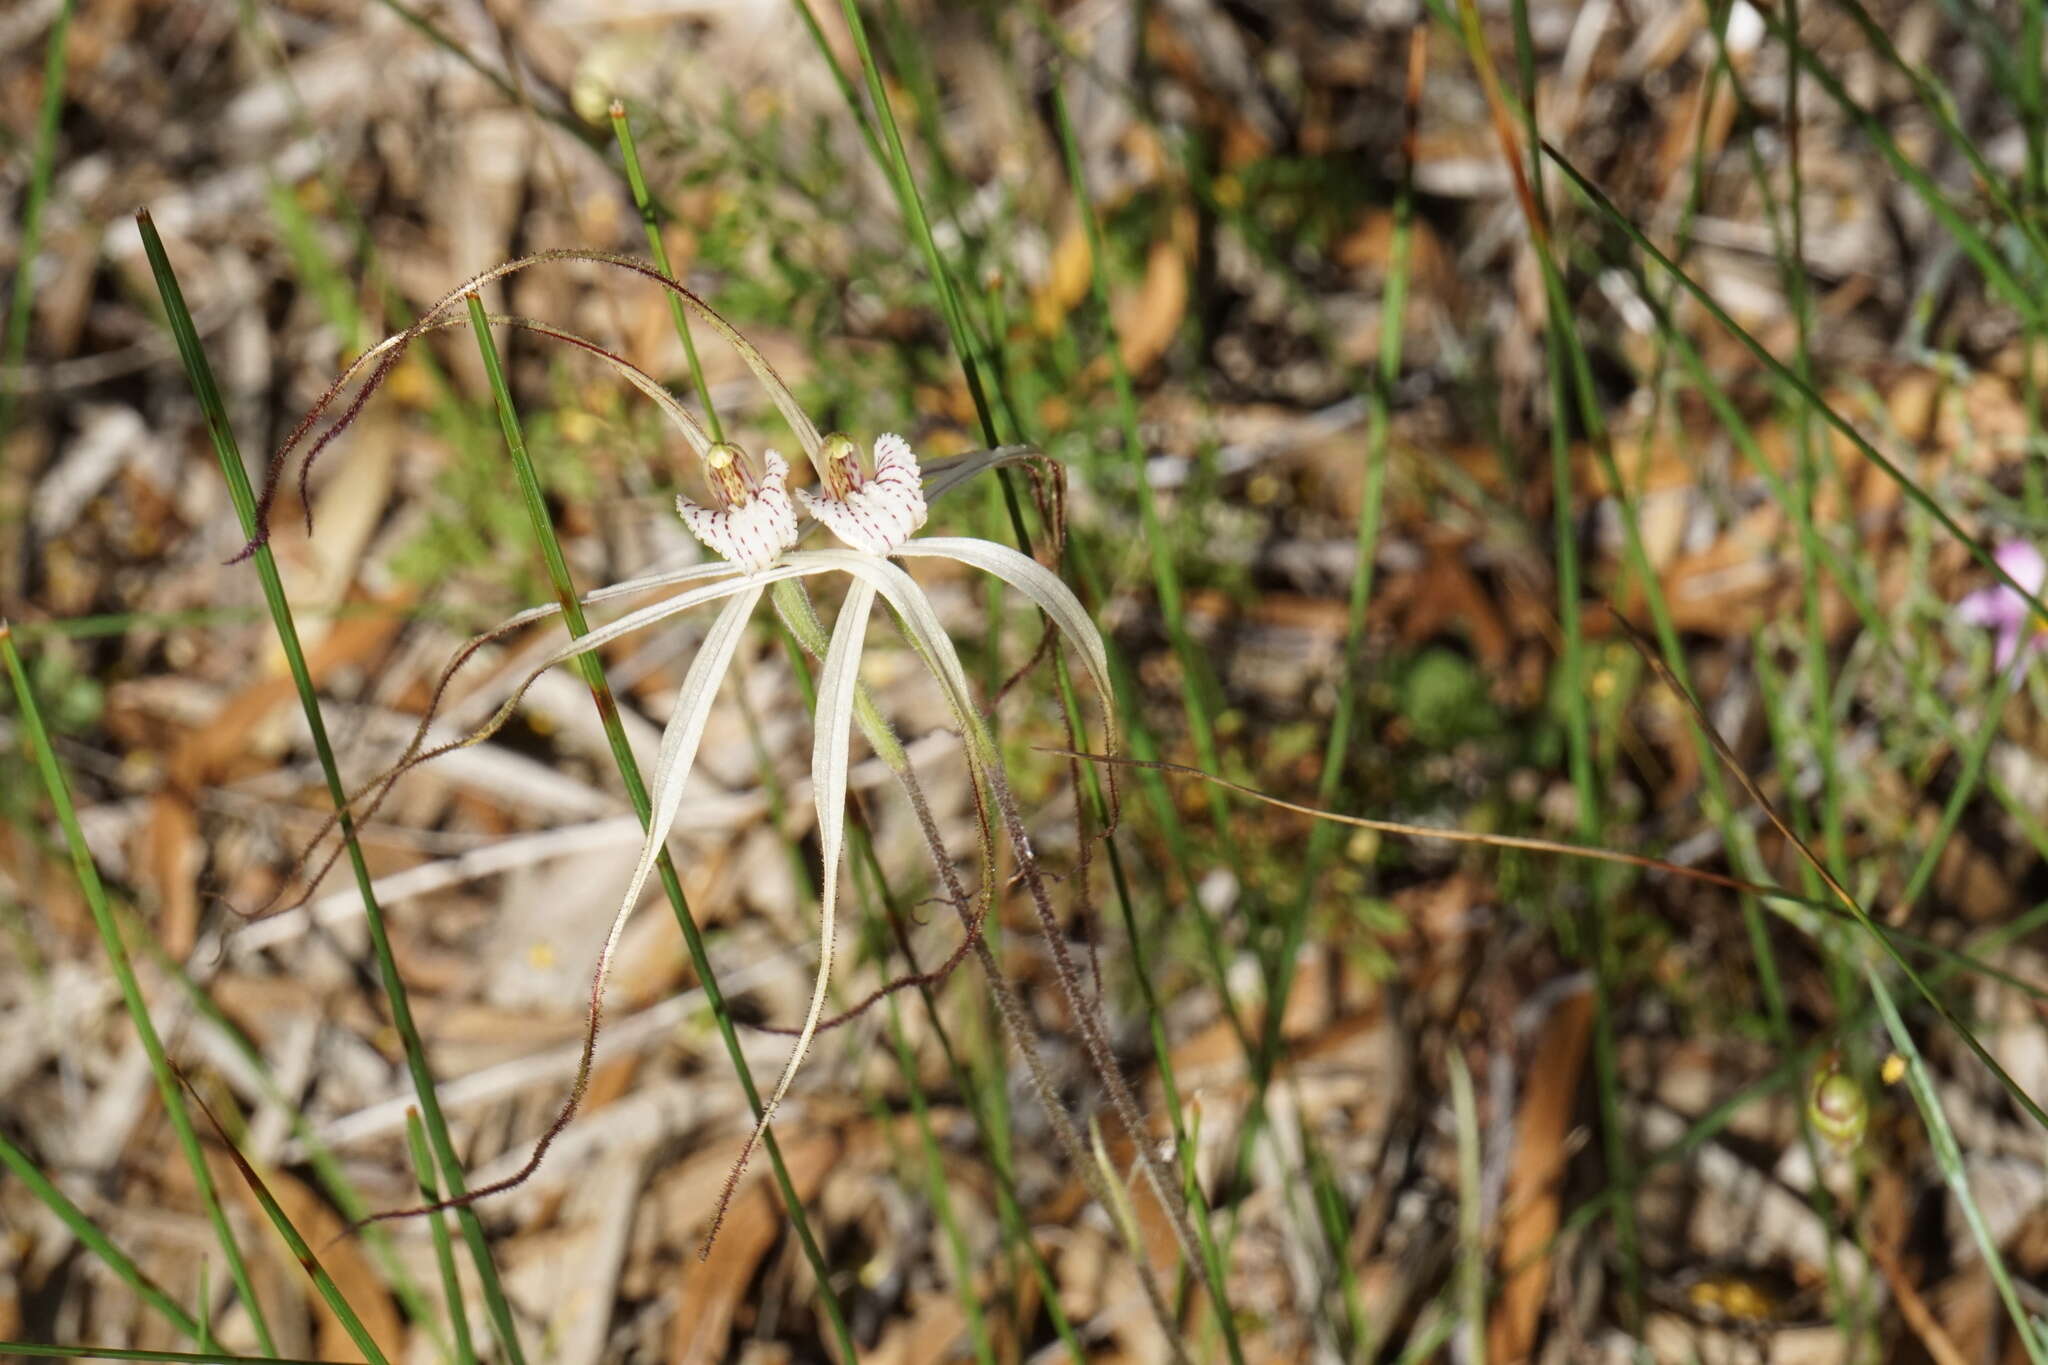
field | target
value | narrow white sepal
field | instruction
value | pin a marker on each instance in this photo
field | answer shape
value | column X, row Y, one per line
column 830, row 766
column 1046, row 592
column 679, row 741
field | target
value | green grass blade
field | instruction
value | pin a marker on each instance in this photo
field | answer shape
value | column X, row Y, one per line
column 650, row 222
column 301, row 1252
column 96, row 1241
column 897, row 164
column 168, row 1087
column 226, row 449
column 1197, row 695
column 1948, row 1157
column 326, row 1167
column 636, row 788
column 444, row 1250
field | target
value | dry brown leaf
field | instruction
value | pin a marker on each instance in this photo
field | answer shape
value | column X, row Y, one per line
column 173, row 854
column 935, row 1323
column 1148, row 315
column 1530, row 1209
column 712, row 1289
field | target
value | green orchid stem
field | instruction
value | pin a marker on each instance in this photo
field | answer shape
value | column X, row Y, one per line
column 200, row 373
column 636, row 790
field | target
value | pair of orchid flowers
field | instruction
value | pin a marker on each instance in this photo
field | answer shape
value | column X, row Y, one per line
column 751, row 522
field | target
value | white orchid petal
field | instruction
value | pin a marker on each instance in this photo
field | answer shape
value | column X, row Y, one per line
column 830, row 765
column 679, row 742
column 664, row 579
column 659, row 611
column 1045, row 590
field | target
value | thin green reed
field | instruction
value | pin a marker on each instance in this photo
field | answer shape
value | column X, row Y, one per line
column 650, row 223
column 1262, row 1053
column 326, row 1167
column 897, row 164
column 444, row 1252
column 1792, row 268
column 1196, row 696
column 200, row 375
column 1566, row 363
column 167, row 1082
column 323, row 1282
column 607, row 706
column 1948, row 1158
column 24, row 1169
column 318, row 1155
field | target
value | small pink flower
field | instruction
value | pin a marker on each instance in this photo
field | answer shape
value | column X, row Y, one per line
column 872, row 512
column 757, row 522
column 2000, row 609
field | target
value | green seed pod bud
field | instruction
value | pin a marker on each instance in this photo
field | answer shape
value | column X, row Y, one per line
column 839, row 465
column 1837, row 1106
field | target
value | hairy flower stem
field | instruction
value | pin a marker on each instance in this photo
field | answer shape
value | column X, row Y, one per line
column 1018, row 1021
column 799, row 614
column 1093, row 1035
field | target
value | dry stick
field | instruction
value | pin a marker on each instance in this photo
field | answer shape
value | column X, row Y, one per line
column 1449, row 836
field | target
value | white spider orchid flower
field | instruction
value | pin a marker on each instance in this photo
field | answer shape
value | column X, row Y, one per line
column 872, row 512
column 757, row 521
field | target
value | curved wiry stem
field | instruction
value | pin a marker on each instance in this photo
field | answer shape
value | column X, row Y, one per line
column 382, row 358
